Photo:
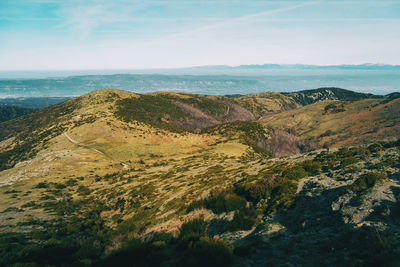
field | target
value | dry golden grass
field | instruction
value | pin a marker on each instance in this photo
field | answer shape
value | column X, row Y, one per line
column 362, row 121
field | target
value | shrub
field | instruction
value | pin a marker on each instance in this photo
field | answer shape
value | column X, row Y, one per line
column 241, row 222
column 363, row 153
column 367, row 181
column 83, row 190
column 221, row 201
column 42, row 185
column 334, row 107
column 255, row 191
column 347, row 161
column 373, row 148
column 59, row 186
column 294, row 172
column 344, row 152
column 312, row 167
column 282, row 194
column 135, row 253
column 196, row 204
column 196, row 226
column 206, row 252
column 71, row 182
column 162, row 236
column 234, row 202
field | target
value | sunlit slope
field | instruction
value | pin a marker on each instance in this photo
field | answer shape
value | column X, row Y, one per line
column 340, row 123
column 87, row 137
column 109, row 130
column 265, row 103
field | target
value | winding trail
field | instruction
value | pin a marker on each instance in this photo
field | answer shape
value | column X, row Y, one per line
column 93, row 149
column 79, row 144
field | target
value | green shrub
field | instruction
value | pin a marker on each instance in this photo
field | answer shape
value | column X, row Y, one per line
column 150, row 109
column 59, row 186
column 363, row 153
column 196, row 204
column 347, row 161
column 71, row 182
column 219, row 204
column 220, row 201
column 135, row 253
column 367, row 181
column 294, row 172
column 254, row 191
column 42, row 185
column 162, row 236
column 234, row 202
column 241, row 222
column 83, row 190
column 196, row 226
column 312, row 167
column 344, row 152
column 206, row 252
column 373, row 148
column 282, row 194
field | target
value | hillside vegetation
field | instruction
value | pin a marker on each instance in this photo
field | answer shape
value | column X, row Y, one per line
column 307, row 97
column 342, row 123
column 11, row 112
column 113, row 178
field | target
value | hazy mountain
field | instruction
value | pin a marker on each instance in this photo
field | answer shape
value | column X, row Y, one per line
column 214, row 80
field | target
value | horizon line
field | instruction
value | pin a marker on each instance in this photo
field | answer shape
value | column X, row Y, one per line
column 218, row 65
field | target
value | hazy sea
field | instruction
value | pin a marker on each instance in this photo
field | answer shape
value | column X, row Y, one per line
column 207, row 81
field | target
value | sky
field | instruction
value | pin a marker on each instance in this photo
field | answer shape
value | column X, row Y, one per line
column 141, row 34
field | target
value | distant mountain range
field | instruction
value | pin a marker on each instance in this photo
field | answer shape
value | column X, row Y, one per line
column 366, row 66
column 210, row 80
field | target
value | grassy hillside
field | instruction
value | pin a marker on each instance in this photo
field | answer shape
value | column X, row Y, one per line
column 341, row 123
column 307, row 97
column 172, row 179
column 262, row 104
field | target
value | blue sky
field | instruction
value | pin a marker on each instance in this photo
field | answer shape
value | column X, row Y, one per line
column 134, row 34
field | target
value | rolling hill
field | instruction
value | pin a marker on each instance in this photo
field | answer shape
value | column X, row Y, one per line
column 175, row 179
column 307, row 97
column 342, row 123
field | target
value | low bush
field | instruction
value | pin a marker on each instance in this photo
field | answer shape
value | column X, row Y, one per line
column 367, row 181
column 241, row 222
column 254, row 191
column 42, row 185
column 196, row 226
column 234, row 202
column 312, row 167
column 374, row 148
column 135, row 253
column 206, row 252
column 83, row 190
column 294, row 172
column 347, row 161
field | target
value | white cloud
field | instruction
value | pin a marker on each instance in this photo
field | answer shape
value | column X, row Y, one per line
column 83, row 17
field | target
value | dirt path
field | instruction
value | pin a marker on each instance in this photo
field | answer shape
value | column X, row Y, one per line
column 79, row 144
column 93, row 149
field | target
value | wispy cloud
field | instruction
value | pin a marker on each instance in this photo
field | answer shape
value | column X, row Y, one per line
column 84, row 17
column 239, row 20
